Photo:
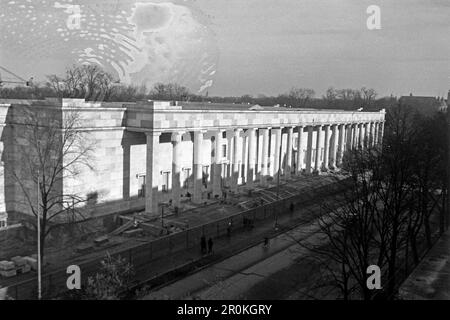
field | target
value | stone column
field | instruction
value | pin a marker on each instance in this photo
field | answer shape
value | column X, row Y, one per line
column 348, row 129
column 360, row 135
column 318, row 145
column 271, row 165
column 217, row 181
column 380, row 141
column 366, row 135
column 243, row 175
column 230, row 150
column 176, row 168
column 299, row 150
column 375, row 134
column 265, row 151
column 371, row 140
column 152, row 174
column 251, row 156
column 326, row 148
column 333, row 148
column 198, row 166
column 340, row 152
column 354, row 135
column 259, row 153
column 277, row 164
column 288, row 165
column 236, row 160
column 309, row 150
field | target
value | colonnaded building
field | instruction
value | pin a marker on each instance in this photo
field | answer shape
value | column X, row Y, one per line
column 155, row 152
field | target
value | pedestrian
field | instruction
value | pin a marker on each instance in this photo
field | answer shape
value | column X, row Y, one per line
column 210, row 245
column 266, row 242
column 229, row 229
column 203, row 244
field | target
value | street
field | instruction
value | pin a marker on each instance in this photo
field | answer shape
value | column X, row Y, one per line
column 256, row 273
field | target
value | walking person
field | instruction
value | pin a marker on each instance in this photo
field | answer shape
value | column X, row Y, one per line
column 266, row 243
column 210, row 245
column 203, row 244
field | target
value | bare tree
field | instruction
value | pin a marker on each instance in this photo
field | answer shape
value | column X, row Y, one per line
column 51, row 149
column 348, row 94
column 299, row 97
column 394, row 192
column 169, row 91
column 86, row 81
column 368, row 96
column 330, row 97
column 349, row 227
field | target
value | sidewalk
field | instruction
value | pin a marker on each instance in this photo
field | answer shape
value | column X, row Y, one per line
column 431, row 278
column 236, row 272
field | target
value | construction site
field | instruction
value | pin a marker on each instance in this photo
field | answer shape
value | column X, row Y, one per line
column 146, row 241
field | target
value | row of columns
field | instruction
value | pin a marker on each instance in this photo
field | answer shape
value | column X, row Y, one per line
column 337, row 139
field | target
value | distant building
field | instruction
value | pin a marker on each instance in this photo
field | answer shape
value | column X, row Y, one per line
column 424, row 105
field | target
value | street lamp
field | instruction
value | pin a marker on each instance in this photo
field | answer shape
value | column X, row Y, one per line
column 278, row 177
column 39, row 238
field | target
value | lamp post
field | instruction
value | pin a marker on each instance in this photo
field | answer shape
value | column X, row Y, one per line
column 39, row 238
column 278, row 178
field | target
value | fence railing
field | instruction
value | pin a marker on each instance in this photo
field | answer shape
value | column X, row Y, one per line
column 54, row 283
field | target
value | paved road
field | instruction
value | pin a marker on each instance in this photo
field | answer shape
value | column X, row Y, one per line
column 254, row 273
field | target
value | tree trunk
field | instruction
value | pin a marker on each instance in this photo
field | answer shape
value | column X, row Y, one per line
column 442, row 213
column 392, row 261
column 415, row 253
column 426, row 222
column 43, row 229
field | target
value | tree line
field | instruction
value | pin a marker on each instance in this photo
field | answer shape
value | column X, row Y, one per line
column 92, row 83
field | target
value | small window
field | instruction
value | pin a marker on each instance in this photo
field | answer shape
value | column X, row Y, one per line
column 224, row 151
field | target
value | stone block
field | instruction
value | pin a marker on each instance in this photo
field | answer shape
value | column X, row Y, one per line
column 8, row 273
column 6, row 265
column 18, row 261
column 32, row 262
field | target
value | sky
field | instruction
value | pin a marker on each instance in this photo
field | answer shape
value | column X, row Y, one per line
column 269, row 46
column 236, row 47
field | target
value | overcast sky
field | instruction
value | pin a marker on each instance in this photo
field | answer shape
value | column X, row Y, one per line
column 268, row 46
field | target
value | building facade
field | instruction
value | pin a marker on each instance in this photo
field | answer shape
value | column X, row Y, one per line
column 155, row 152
